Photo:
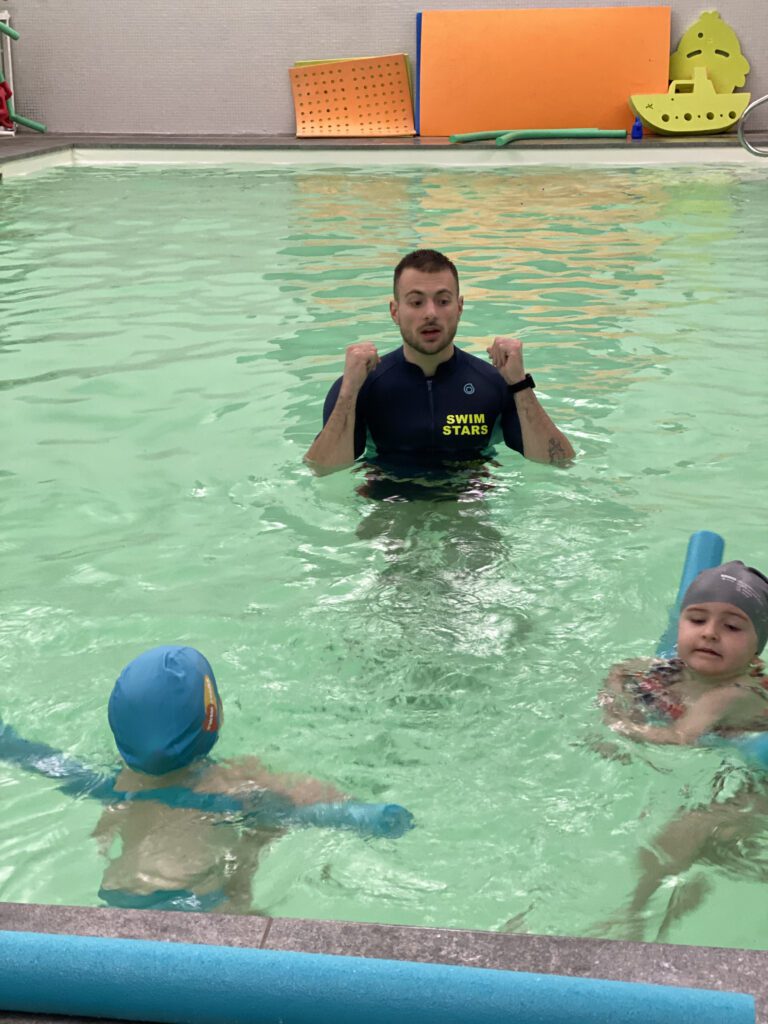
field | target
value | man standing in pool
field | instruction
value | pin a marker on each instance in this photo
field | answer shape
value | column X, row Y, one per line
column 430, row 404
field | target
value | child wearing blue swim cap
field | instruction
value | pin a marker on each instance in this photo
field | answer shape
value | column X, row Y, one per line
column 165, row 710
column 166, row 714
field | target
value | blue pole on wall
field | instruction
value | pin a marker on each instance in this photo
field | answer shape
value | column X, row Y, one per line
column 167, row 982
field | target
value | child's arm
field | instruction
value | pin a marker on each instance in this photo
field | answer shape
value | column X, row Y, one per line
column 302, row 789
column 703, row 716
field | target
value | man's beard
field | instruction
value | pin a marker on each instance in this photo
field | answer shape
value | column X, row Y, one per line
column 423, row 348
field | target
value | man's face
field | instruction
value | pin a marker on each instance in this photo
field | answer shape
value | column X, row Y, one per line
column 427, row 309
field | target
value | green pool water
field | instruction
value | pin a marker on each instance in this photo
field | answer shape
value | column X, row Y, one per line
column 167, row 339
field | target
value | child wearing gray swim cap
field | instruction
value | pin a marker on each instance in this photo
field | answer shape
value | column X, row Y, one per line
column 717, row 682
column 713, row 692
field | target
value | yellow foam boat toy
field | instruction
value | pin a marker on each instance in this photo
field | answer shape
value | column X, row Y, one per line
column 691, row 107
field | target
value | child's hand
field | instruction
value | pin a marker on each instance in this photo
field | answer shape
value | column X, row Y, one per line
column 629, row 729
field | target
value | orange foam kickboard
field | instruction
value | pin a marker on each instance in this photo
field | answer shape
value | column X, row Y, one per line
column 362, row 96
column 545, row 68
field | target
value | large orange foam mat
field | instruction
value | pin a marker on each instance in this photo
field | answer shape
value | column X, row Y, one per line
column 546, row 68
column 365, row 96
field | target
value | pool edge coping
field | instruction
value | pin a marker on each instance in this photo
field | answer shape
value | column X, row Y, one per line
column 24, row 155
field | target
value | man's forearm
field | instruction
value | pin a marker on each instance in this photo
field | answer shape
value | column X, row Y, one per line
column 542, row 441
column 334, row 446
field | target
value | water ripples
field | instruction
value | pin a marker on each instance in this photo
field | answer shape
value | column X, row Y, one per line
column 164, row 364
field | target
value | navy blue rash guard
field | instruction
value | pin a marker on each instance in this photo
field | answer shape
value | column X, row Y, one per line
column 404, row 417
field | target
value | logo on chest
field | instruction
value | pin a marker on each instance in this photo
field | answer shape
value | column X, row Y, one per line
column 465, row 424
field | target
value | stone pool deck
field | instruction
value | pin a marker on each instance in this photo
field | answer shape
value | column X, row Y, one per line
column 730, row 970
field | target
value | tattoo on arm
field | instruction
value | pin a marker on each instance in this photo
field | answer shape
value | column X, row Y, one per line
column 557, row 453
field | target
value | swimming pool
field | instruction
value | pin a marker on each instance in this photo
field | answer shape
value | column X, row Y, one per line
column 168, row 337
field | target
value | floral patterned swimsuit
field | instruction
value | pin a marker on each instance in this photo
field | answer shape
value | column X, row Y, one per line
column 650, row 689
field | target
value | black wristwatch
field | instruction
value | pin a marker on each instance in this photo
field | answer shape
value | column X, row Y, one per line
column 526, row 382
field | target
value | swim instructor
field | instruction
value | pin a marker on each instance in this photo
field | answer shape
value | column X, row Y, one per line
column 429, row 403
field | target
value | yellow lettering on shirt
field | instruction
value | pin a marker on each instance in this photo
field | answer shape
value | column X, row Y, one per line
column 465, row 424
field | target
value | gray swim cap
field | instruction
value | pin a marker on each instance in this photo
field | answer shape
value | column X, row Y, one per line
column 737, row 584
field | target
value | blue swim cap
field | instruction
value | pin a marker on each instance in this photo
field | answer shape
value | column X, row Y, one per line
column 165, row 709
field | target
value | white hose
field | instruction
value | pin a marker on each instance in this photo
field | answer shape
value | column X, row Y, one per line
column 748, row 145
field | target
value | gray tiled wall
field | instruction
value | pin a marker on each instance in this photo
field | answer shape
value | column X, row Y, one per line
column 194, row 66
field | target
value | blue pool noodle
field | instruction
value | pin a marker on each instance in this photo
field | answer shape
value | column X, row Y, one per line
column 751, row 747
column 417, row 84
column 266, row 809
column 705, row 550
column 169, row 982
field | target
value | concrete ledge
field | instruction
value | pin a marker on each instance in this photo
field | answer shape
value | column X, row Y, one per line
column 733, row 970
column 27, row 145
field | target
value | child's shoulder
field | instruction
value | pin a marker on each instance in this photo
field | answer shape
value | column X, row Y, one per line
column 753, row 686
column 231, row 775
column 130, row 781
column 747, row 708
column 757, row 677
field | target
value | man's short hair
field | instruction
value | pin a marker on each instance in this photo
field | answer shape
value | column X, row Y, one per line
column 428, row 260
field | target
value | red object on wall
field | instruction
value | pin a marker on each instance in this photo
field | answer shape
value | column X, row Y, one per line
column 5, row 117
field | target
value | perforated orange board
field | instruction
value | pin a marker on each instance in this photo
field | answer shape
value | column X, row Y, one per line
column 554, row 67
column 365, row 96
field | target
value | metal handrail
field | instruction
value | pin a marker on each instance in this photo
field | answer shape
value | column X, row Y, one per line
column 748, row 145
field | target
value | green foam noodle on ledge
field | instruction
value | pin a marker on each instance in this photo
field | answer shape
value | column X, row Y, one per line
column 505, row 136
